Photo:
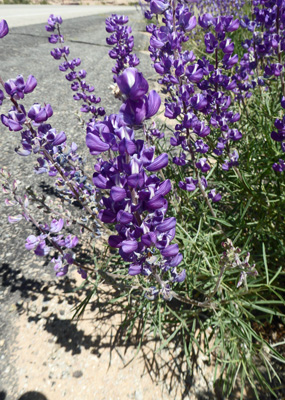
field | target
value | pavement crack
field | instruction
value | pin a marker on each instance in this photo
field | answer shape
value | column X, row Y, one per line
column 68, row 41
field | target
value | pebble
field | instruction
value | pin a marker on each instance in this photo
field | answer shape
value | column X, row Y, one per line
column 77, row 374
column 138, row 395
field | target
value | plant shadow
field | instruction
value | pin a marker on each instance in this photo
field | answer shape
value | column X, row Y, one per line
column 167, row 367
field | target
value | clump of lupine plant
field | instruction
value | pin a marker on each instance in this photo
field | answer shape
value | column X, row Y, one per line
column 187, row 215
column 136, row 196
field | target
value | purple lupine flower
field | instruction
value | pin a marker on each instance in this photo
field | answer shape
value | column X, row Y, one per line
column 71, row 241
column 178, row 277
column 42, row 249
column 56, row 225
column 40, row 114
column 279, row 136
column 234, row 134
column 194, row 73
column 59, row 268
column 227, row 46
column 189, row 184
column 17, row 88
column 152, row 104
column 132, row 84
column 31, row 242
column 15, row 119
column 215, row 197
column 279, row 167
column 203, row 165
column 4, row 29
column 206, row 20
column 52, row 21
column 201, row 147
column 158, row 6
column 232, row 162
column 187, row 21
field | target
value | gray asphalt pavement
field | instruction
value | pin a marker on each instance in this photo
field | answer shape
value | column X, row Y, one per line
column 25, row 15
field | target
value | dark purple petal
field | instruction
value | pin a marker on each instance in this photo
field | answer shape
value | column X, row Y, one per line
column 170, row 251
column 166, row 225
column 156, row 202
column 95, row 144
column 128, row 246
column 159, row 163
column 59, row 139
column 49, row 110
column 140, row 87
column 99, row 181
column 107, row 216
column 149, row 239
column 233, row 26
column 176, row 260
column 30, row 84
column 135, row 180
column 42, row 249
column 14, row 125
column 62, row 271
column 115, row 241
column 132, row 83
column 152, row 104
column 276, row 136
column 158, row 7
column 135, row 269
column 117, row 193
column 124, row 217
column 164, row 188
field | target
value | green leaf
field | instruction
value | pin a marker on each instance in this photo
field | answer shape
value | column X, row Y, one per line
column 265, row 263
column 221, row 221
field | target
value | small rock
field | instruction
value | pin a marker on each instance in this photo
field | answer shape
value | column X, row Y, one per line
column 77, row 374
column 138, row 395
column 13, row 308
column 33, row 308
